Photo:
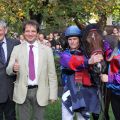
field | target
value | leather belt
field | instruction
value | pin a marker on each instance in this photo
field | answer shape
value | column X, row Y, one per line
column 32, row 86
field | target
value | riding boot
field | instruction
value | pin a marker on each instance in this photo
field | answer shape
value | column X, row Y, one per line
column 95, row 116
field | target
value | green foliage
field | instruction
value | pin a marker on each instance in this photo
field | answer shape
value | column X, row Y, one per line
column 57, row 65
column 53, row 111
column 116, row 13
column 57, row 14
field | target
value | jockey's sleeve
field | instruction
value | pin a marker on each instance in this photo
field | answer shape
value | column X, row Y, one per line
column 73, row 62
column 78, row 62
column 115, row 87
column 107, row 50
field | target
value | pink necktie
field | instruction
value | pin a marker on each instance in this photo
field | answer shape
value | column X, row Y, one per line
column 31, row 64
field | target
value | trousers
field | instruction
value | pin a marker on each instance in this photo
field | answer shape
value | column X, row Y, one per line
column 66, row 115
column 30, row 110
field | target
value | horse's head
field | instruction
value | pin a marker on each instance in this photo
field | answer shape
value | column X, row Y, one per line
column 92, row 40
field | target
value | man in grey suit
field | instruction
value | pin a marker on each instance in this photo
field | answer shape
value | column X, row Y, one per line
column 36, row 81
column 7, row 106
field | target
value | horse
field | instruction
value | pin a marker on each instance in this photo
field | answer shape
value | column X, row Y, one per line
column 92, row 42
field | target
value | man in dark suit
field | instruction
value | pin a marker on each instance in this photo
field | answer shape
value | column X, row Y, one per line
column 7, row 106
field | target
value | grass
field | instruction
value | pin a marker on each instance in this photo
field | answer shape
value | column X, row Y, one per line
column 53, row 112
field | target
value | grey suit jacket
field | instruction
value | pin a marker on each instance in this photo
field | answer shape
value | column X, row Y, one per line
column 47, row 79
column 6, row 82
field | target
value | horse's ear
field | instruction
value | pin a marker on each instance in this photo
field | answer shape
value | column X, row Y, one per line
column 98, row 23
column 102, row 21
column 80, row 26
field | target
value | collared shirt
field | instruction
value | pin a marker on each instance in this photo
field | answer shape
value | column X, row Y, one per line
column 35, row 51
column 5, row 47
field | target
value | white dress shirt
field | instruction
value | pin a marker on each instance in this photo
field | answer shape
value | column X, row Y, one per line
column 5, row 48
column 35, row 51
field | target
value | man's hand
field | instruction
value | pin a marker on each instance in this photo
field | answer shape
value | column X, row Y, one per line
column 95, row 58
column 16, row 66
column 104, row 77
column 52, row 101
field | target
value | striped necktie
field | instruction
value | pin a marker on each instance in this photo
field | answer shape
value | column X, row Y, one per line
column 2, row 53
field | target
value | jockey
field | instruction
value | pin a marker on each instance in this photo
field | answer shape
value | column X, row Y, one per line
column 113, row 77
column 75, row 77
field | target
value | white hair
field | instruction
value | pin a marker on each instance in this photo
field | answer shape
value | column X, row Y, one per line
column 3, row 23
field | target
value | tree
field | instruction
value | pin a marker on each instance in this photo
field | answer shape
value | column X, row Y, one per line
column 57, row 14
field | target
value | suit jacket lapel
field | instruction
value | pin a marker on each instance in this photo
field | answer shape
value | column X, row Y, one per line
column 25, row 54
column 1, row 60
column 40, row 59
column 9, row 49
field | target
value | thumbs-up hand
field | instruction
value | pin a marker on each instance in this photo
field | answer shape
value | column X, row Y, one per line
column 16, row 66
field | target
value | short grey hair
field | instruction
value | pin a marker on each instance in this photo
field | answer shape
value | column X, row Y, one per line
column 3, row 23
